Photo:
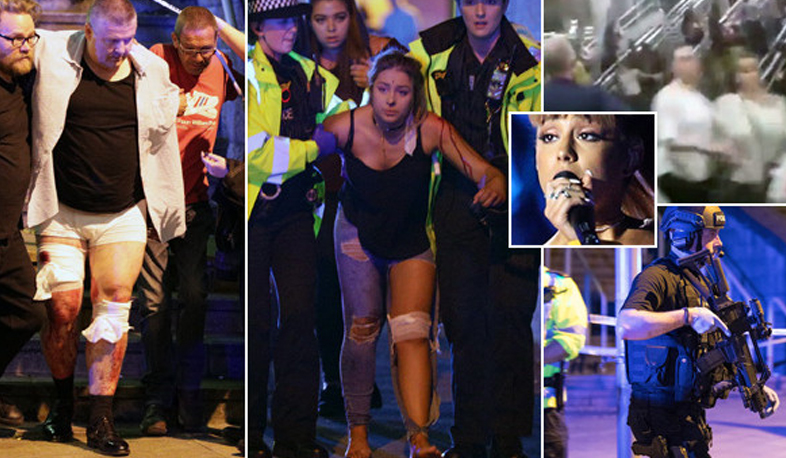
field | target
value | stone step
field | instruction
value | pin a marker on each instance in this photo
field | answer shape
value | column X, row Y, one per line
column 223, row 400
column 225, row 359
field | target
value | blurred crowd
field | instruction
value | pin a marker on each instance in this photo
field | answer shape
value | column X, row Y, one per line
column 713, row 70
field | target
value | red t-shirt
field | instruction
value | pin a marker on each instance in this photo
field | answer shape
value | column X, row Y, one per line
column 198, row 126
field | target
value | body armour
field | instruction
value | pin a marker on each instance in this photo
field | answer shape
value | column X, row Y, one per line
column 663, row 369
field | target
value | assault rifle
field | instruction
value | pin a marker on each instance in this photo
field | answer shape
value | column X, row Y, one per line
column 742, row 319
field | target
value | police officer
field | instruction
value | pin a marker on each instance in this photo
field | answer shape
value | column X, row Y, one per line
column 669, row 326
column 478, row 68
column 566, row 328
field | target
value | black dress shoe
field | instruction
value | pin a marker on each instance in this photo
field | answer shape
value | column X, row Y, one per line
column 465, row 451
column 331, row 402
column 57, row 426
column 10, row 414
column 101, row 435
column 506, row 447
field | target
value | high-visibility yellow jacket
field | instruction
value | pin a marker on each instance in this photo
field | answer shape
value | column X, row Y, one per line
column 522, row 92
column 566, row 323
column 270, row 157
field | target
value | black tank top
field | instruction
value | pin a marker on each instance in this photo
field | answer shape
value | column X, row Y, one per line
column 388, row 207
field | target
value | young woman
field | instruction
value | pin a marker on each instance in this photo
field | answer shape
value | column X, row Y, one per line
column 593, row 161
column 382, row 249
column 341, row 43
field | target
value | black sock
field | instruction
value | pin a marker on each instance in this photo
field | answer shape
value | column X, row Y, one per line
column 100, row 406
column 64, row 390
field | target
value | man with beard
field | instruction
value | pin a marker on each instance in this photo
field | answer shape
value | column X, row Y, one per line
column 20, row 317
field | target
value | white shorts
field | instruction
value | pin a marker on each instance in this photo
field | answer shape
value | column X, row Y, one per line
column 97, row 228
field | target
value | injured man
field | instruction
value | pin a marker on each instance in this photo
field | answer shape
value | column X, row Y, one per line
column 105, row 153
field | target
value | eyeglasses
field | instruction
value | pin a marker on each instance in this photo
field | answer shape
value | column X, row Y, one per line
column 18, row 42
column 206, row 53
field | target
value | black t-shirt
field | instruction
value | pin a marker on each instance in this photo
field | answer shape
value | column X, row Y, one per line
column 661, row 288
column 97, row 157
column 14, row 152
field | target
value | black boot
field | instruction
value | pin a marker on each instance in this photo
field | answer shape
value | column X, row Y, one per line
column 57, row 426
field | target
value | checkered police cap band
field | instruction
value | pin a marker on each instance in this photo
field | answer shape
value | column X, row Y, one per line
column 266, row 9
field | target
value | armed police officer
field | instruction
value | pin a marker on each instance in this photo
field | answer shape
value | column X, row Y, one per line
column 680, row 333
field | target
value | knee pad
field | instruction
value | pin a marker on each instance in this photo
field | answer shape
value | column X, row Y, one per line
column 410, row 326
column 110, row 321
column 64, row 269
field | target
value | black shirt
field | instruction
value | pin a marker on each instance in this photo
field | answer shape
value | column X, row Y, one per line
column 14, row 151
column 661, row 288
column 96, row 160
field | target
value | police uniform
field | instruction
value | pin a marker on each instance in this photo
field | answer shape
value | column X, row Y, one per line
column 284, row 107
column 487, row 292
column 566, row 324
column 668, row 398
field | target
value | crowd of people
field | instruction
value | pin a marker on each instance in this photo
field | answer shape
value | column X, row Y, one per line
column 721, row 124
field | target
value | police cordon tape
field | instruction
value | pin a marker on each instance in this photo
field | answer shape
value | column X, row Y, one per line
column 611, row 352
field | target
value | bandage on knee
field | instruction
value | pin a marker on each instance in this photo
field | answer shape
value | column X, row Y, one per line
column 110, row 321
column 410, row 326
column 63, row 270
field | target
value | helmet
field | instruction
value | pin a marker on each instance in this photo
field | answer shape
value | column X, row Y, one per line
column 682, row 225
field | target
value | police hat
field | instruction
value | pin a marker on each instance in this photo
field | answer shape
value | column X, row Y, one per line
column 271, row 9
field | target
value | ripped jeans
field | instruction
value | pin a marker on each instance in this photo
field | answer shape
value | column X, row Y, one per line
column 364, row 280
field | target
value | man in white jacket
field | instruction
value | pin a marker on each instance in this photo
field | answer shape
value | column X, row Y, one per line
column 105, row 159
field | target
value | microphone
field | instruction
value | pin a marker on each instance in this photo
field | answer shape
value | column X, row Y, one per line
column 581, row 217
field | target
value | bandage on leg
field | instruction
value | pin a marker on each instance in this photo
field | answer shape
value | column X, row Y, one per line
column 64, row 269
column 110, row 321
column 410, row 326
